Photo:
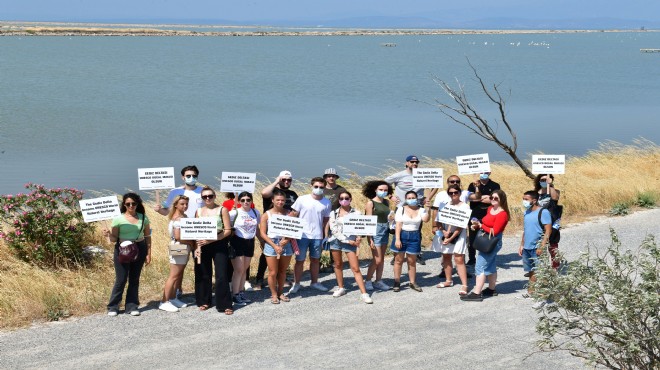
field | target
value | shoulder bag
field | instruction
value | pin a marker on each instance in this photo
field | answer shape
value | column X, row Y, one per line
column 485, row 242
column 129, row 250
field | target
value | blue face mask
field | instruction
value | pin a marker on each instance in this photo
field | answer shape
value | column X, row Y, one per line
column 191, row 181
column 527, row 204
column 317, row 191
column 381, row 194
column 484, row 176
column 543, row 184
column 411, row 202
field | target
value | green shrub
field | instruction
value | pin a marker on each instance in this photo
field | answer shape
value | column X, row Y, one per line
column 606, row 306
column 620, row 209
column 647, row 199
column 45, row 225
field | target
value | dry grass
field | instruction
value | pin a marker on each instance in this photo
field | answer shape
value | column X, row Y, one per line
column 593, row 183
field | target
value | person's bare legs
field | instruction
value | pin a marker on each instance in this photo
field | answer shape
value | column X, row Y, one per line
column 398, row 265
column 176, row 274
column 314, row 267
column 412, row 267
column 354, row 262
column 339, row 273
column 237, row 275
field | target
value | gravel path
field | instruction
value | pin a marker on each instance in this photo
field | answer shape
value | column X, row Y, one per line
column 432, row 329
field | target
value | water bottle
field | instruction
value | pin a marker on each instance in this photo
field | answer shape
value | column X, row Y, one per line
column 557, row 224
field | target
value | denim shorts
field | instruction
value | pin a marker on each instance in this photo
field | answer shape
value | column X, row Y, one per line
column 270, row 251
column 336, row 245
column 529, row 259
column 382, row 234
column 487, row 262
column 410, row 243
column 314, row 247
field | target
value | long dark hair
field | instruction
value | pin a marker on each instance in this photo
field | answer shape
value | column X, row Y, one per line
column 136, row 198
column 369, row 188
column 537, row 181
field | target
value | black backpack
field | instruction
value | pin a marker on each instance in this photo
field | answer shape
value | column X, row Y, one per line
column 555, row 214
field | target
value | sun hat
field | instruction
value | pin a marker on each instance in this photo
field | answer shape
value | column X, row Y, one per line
column 330, row 171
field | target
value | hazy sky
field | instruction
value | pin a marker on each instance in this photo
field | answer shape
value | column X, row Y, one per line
column 301, row 10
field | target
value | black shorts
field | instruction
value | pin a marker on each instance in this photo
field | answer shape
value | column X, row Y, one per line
column 242, row 247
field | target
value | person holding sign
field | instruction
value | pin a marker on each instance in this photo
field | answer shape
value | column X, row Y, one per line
column 340, row 242
column 315, row 210
column 132, row 225
column 493, row 223
column 485, row 186
column 549, row 199
column 454, row 244
column 377, row 192
column 278, row 250
column 211, row 252
column 245, row 223
column 170, row 303
column 190, row 189
column 407, row 242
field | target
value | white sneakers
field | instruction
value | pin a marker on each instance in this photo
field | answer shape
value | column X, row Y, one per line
column 168, row 307
column 381, row 286
column 135, row 312
column 369, row 285
column 366, row 299
column 178, row 303
column 295, row 287
column 339, row 292
column 112, row 313
column 319, row 287
column 247, row 286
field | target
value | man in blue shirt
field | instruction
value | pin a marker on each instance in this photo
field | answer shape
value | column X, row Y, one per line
column 530, row 248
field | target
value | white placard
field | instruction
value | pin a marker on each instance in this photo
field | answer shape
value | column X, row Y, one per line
column 156, row 178
column 455, row 216
column 428, row 178
column 201, row 228
column 548, row 163
column 98, row 209
column 236, row 182
column 475, row 163
column 285, row 226
column 360, row 225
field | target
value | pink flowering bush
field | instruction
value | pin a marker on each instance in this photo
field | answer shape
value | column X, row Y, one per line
column 44, row 226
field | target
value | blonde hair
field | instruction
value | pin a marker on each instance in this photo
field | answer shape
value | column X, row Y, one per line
column 173, row 205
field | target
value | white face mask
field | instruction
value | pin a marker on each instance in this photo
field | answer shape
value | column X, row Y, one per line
column 191, row 180
column 527, row 204
column 317, row 191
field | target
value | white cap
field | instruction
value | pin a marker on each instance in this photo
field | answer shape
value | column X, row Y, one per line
column 286, row 174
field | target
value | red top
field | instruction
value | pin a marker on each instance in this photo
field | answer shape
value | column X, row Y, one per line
column 229, row 204
column 497, row 223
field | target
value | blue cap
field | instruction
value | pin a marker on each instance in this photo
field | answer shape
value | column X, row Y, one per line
column 412, row 158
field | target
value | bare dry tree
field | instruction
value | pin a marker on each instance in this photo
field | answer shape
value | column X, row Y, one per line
column 463, row 113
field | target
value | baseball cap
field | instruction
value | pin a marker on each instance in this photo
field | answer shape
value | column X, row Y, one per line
column 412, row 158
column 330, row 171
column 286, row 174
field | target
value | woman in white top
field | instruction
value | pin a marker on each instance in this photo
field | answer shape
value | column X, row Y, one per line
column 169, row 302
column 407, row 241
column 454, row 243
column 341, row 242
column 245, row 224
column 277, row 249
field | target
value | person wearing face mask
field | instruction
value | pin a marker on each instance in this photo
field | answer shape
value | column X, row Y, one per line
column 331, row 192
column 341, row 242
column 407, row 242
column 530, row 248
column 189, row 175
column 315, row 210
column 549, row 198
column 377, row 191
column 281, row 184
column 485, row 187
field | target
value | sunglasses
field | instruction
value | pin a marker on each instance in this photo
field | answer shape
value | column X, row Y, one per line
column 287, row 180
column 246, row 200
column 454, row 181
column 190, row 176
column 207, row 197
column 318, row 187
column 130, row 204
column 495, row 198
column 414, row 162
column 453, row 192
column 344, row 198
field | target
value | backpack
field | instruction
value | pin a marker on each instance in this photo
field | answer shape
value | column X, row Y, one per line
column 555, row 215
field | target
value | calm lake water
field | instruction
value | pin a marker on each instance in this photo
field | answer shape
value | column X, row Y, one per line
column 88, row 111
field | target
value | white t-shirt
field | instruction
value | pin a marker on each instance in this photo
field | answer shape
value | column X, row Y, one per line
column 194, row 199
column 313, row 212
column 403, row 183
column 407, row 223
column 442, row 199
column 245, row 223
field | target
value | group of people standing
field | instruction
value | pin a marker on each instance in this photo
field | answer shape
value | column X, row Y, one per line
column 401, row 210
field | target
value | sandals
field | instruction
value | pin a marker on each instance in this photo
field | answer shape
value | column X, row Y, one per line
column 284, row 298
column 204, row 307
column 274, row 300
column 445, row 284
column 463, row 291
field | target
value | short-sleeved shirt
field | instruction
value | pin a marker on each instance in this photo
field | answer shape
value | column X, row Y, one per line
column 313, row 212
column 403, row 183
column 533, row 231
column 291, row 197
column 194, row 199
column 129, row 231
column 479, row 209
column 333, row 195
column 245, row 223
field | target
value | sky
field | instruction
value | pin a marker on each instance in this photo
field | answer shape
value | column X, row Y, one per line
column 319, row 10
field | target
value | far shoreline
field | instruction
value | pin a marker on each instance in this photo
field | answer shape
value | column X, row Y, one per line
column 106, row 29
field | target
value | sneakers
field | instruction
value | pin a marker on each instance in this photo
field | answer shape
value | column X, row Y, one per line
column 247, row 286
column 135, row 312
column 397, row 286
column 167, row 307
column 238, row 300
column 319, row 287
column 178, row 294
column 420, row 260
column 295, row 287
column 369, row 286
column 415, row 287
column 472, row 297
column 487, row 292
column 366, row 299
column 113, row 313
column 339, row 292
column 381, row 286
column 244, row 298
column 178, row 303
